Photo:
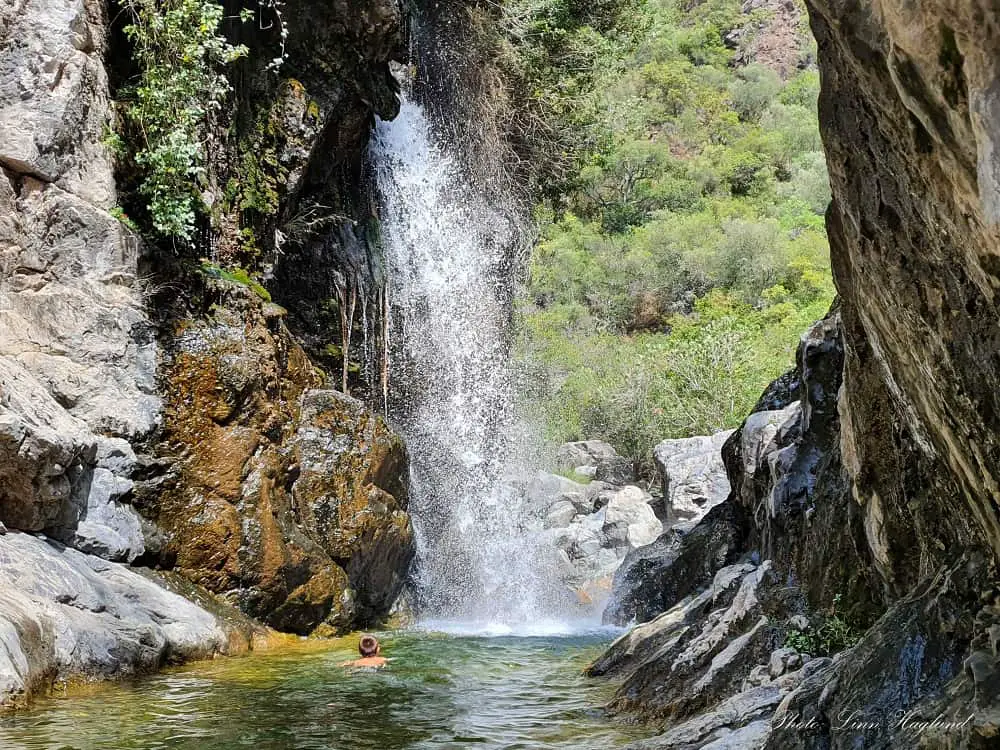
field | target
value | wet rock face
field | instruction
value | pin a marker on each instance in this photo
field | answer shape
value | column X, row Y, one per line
column 906, row 116
column 351, row 493
column 265, row 485
column 803, row 515
column 714, row 616
column 337, row 67
column 287, row 499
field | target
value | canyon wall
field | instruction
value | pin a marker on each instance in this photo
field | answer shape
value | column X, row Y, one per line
column 862, row 526
column 268, row 484
column 157, row 412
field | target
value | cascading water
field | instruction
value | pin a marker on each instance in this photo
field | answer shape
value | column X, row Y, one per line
column 448, row 252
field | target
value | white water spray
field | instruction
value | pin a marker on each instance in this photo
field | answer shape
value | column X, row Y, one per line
column 447, row 249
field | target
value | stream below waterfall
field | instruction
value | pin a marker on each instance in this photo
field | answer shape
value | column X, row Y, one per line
column 439, row 691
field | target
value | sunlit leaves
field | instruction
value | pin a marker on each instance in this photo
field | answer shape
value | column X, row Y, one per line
column 181, row 54
column 680, row 264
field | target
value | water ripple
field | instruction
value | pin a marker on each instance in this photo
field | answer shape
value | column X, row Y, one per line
column 440, row 692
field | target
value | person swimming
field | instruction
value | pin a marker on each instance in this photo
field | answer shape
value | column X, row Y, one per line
column 369, row 648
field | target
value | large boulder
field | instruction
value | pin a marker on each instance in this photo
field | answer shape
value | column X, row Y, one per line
column 285, row 497
column 545, row 489
column 593, row 527
column 584, row 453
column 629, row 519
column 692, row 475
column 351, row 494
column 66, row 615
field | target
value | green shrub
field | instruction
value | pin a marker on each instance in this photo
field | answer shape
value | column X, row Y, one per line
column 830, row 635
column 119, row 213
column 744, row 172
column 751, row 257
column 802, row 90
column 753, row 90
column 237, row 276
column 180, row 54
column 703, row 375
column 809, row 182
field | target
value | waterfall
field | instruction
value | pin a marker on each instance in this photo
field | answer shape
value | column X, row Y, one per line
column 450, row 280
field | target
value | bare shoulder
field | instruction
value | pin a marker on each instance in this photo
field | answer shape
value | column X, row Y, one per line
column 372, row 662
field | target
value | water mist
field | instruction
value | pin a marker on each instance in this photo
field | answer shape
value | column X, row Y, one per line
column 448, row 249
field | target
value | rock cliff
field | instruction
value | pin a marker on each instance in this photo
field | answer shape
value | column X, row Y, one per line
column 78, row 357
column 873, row 499
column 158, row 411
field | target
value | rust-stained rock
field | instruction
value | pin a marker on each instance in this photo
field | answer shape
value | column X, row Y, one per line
column 286, row 498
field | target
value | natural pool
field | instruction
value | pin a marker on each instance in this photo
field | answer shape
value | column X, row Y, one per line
column 440, row 691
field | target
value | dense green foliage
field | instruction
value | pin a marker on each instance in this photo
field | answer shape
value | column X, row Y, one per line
column 180, row 53
column 682, row 249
